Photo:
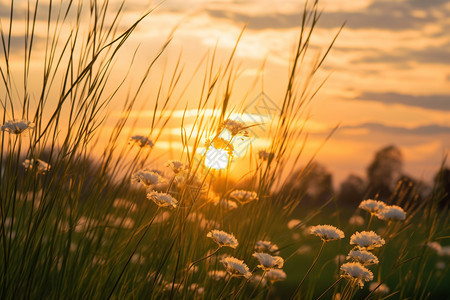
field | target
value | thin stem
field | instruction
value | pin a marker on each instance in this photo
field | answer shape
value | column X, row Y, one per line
column 370, row 221
column 131, row 255
column 224, row 288
column 259, row 283
column 192, row 264
column 307, row 273
column 330, row 287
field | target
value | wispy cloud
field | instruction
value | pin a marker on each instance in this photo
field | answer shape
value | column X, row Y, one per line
column 434, row 102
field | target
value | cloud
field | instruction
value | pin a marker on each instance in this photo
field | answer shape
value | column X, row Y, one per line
column 439, row 102
column 432, row 129
column 432, row 54
column 388, row 15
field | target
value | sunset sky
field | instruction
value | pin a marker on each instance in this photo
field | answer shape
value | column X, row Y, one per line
column 389, row 70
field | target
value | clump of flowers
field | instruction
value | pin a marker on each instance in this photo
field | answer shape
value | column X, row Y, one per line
column 364, row 257
column 327, row 232
column 176, row 166
column 235, row 127
column 391, row 212
column 356, row 271
column 372, row 206
column 266, row 246
column 148, row 178
column 162, row 199
column 40, row 165
column 244, row 196
column 236, row 267
column 141, row 141
column 274, row 275
column 17, row 127
column 223, row 239
column 264, row 155
column 268, row 261
column 217, row 274
column 366, row 239
column 226, row 204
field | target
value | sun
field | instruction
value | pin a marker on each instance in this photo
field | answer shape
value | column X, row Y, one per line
column 216, row 158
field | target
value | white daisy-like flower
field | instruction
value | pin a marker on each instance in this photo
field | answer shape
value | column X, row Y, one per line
column 226, row 204
column 244, row 196
column 391, row 212
column 356, row 271
column 266, row 246
column 367, row 239
column 176, row 166
column 194, row 287
column 40, row 165
column 217, row 274
column 17, row 126
column 327, row 232
column 445, row 251
column 364, row 257
column 356, row 220
column 223, row 239
column 141, row 141
column 236, row 267
column 258, row 279
column 268, row 261
column 382, row 289
column 275, row 275
column 235, row 127
column 435, row 246
column 148, row 178
column 372, row 206
column 162, row 199
column 294, row 223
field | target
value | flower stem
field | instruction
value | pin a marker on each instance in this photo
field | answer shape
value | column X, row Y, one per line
column 259, row 283
column 224, row 288
column 370, row 221
column 330, row 287
column 307, row 273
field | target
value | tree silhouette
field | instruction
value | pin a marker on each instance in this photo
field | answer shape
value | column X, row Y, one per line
column 384, row 171
column 352, row 190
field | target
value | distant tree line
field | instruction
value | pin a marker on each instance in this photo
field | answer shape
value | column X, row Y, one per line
column 313, row 185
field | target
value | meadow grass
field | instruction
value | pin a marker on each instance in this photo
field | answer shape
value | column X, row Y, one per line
column 88, row 227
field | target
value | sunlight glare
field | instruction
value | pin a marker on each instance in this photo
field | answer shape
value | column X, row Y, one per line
column 216, row 158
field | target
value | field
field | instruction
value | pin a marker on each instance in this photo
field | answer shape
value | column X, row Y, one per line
column 86, row 215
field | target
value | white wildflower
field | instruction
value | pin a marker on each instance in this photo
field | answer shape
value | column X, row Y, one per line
column 364, row 257
column 235, row 127
column 217, row 274
column 275, row 275
column 141, row 141
column 445, row 251
column 294, row 223
column 356, row 271
column 356, row 220
column 372, row 206
column 435, row 246
column 366, row 239
column 244, row 196
column 223, row 239
column 258, row 279
column 236, row 267
column 226, row 204
column 39, row 165
column 268, row 261
column 162, row 199
column 266, row 246
column 17, row 127
column 391, row 212
column 382, row 289
column 147, row 178
column 327, row 232
column 176, row 166
column 440, row 265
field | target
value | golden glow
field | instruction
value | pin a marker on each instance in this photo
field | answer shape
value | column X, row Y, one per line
column 216, row 158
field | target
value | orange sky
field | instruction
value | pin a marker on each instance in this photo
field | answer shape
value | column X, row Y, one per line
column 390, row 70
